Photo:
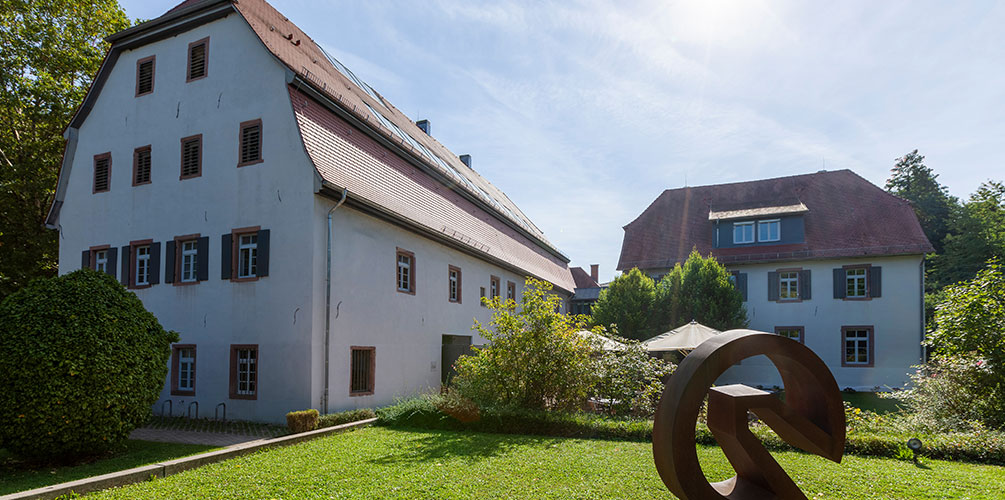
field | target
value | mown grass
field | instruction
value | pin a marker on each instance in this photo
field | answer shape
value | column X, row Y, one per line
column 392, row 463
column 16, row 475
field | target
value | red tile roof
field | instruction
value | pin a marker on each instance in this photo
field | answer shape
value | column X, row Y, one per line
column 582, row 278
column 848, row 217
column 357, row 162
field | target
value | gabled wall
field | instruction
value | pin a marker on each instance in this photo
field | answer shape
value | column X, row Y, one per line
column 244, row 82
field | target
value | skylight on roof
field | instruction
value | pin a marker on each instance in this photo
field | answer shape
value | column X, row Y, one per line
column 352, row 76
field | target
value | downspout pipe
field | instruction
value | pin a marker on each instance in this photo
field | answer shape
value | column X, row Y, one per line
column 328, row 297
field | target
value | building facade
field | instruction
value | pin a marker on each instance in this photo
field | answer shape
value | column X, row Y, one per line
column 827, row 259
column 312, row 245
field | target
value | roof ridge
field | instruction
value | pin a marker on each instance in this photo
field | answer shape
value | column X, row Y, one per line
column 769, row 179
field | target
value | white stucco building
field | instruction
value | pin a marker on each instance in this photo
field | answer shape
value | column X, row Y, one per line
column 312, row 245
column 828, row 259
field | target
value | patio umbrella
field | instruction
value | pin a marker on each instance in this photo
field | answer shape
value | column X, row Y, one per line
column 683, row 338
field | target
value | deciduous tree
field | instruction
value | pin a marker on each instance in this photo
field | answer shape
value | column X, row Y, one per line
column 627, row 304
column 50, row 51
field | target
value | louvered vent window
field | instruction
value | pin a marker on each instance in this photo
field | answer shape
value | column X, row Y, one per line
column 251, row 142
column 197, row 59
column 102, row 172
column 362, row 367
column 145, row 76
column 141, row 168
column 191, row 157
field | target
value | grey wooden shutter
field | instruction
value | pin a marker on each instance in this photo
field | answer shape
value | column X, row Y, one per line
column 202, row 257
column 226, row 247
column 263, row 253
column 155, row 263
column 169, row 260
column 741, row 284
column 772, row 286
column 113, row 254
column 875, row 281
column 840, row 286
column 126, row 271
column 804, row 285
column 85, row 259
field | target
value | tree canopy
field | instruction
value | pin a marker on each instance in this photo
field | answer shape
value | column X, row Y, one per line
column 912, row 180
column 51, row 51
column 700, row 290
column 627, row 304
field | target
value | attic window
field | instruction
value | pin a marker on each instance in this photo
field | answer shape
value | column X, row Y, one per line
column 102, row 172
column 198, row 59
column 145, row 76
column 251, row 143
column 191, row 156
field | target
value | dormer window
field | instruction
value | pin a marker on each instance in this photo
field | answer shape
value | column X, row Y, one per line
column 769, row 230
column 743, row 232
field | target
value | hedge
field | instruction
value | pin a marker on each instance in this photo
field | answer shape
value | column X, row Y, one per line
column 983, row 446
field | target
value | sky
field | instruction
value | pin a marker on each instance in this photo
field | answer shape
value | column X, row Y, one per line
column 583, row 112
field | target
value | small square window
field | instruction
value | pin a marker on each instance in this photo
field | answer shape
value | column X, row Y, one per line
column 101, row 261
column 743, row 232
column 362, row 369
column 102, row 172
column 198, row 60
column 858, row 345
column 856, row 280
column 405, row 271
column 141, row 166
column 788, row 285
column 769, row 230
column 791, row 332
column 145, row 76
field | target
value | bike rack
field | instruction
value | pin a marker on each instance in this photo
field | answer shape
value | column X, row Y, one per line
column 216, row 412
column 170, row 407
column 189, row 411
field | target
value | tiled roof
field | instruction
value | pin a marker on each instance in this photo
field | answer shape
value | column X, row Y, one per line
column 358, row 163
column 847, row 216
column 309, row 61
column 582, row 278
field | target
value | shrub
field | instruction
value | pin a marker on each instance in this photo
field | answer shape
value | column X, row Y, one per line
column 952, row 392
column 968, row 366
column 302, row 421
column 535, row 357
column 631, row 381
column 345, row 417
column 82, row 363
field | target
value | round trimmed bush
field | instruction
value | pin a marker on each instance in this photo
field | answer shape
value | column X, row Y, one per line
column 82, row 362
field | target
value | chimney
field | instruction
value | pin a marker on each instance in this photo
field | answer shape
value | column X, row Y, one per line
column 466, row 159
column 424, row 125
column 595, row 272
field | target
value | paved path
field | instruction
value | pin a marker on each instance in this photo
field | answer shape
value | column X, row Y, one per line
column 191, row 437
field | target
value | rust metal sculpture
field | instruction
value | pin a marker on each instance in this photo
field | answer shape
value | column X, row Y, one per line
column 810, row 418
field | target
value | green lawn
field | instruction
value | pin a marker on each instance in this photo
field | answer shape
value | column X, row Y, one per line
column 870, row 401
column 387, row 463
column 17, row 476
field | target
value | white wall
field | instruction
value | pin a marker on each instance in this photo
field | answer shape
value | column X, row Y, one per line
column 244, row 82
column 896, row 317
column 367, row 309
